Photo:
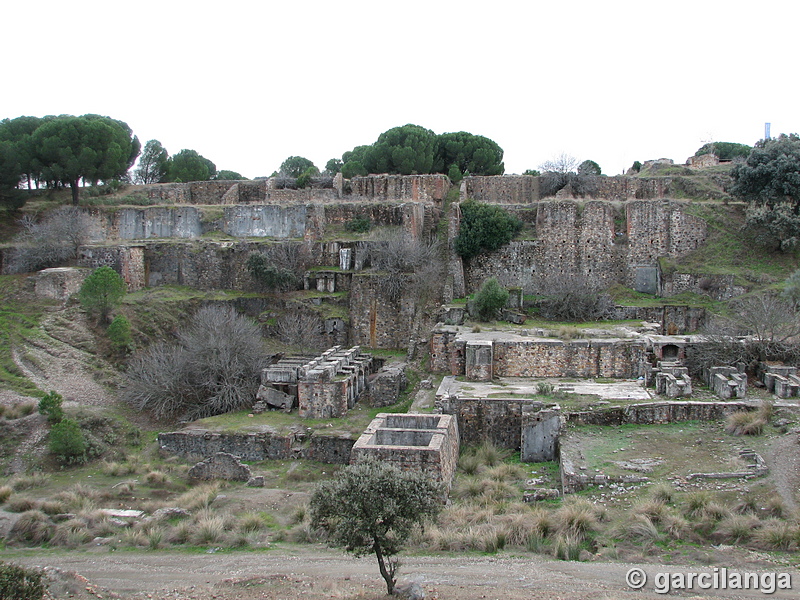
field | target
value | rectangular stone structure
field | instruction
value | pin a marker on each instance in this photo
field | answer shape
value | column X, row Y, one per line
column 426, row 443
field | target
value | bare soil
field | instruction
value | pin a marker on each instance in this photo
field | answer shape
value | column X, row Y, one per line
column 313, row 572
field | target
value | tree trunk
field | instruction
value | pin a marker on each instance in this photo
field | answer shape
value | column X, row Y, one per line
column 382, row 566
column 74, row 186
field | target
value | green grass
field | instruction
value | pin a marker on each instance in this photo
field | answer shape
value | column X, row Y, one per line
column 18, row 320
column 731, row 251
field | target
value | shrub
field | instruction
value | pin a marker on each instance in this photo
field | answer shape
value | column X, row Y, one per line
column 744, row 423
column 19, row 583
column 67, row 441
column 50, row 406
column 490, row 299
column 544, row 388
column 53, row 240
column 119, row 333
column 102, row 291
column 484, row 228
column 214, row 368
column 33, row 527
column 358, row 224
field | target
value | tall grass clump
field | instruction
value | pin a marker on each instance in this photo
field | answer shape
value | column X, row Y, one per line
column 750, row 422
column 33, row 527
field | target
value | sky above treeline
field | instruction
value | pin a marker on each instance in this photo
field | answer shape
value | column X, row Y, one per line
column 247, row 84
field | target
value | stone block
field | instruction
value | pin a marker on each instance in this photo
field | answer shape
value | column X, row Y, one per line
column 540, row 433
column 221, row 465
column 479, row 359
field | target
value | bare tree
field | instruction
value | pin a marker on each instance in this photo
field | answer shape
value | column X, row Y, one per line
column 214, row 368
column 53, row 240
column 758, row 327
column 301, row 329
column 280, row 266
column 562, row 163
column 572, row 297
column 407, row 263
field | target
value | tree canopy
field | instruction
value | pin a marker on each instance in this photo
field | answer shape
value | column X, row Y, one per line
column 771, row 172
column 294, row 166
column 67, row 149
column 102, row 291
column 188, row 165
column 411, row 149
column 473, row 154
column 226, row 175
column 152, row 163
column 589, row 167
column 724, row 150
column 372, row 507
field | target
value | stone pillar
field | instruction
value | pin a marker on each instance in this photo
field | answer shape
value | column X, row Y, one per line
column 479, row 359
column 540, row 432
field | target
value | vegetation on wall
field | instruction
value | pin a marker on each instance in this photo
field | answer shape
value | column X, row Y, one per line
column 484, row 228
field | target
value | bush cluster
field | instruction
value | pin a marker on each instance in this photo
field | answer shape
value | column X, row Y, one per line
column 484, row 228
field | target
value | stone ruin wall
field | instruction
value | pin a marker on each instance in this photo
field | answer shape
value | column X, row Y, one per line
column 525, row 189
column 480, row 420
column 258, row 446
column 543, row 357
column 293, row 221
column 574, row 240
column 380, row 188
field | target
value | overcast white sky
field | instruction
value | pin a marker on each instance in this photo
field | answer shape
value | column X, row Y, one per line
column 248, row 83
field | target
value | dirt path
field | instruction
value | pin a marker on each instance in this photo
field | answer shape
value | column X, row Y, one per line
column 783, row 461
column 316, row 572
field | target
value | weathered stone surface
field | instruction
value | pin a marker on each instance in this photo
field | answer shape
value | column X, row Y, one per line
column 59, row 283
column 410, row 591
column 427, row 443
column 540, row 494
column 257, row 446
column 540, row 433
column 385, row 387
column 257, row 481
column 221, row 465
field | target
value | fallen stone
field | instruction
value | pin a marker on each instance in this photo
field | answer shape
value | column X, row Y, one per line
column 410, row 591
column 257, row 481
column 221, row 466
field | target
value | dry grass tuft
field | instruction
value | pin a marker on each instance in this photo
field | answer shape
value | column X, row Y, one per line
column 33, row 527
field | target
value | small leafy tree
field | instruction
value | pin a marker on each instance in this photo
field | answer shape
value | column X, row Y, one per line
column 372, row 507
column 50, row 406
column 19, row 583
column 67, row 441
column 102, row 291
column 119, row 333
column 484, row 227
column 490, row 299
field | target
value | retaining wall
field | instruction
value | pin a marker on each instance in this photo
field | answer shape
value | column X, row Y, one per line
column 257, row 446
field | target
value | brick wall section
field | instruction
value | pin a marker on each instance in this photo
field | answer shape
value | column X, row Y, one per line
column 592, row 358
column 377, row 321
column 661, row 228
column 128, row 261
column 523, row 189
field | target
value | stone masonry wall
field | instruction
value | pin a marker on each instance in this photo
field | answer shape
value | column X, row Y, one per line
column 257, row 446
column 579, row 358
column 414, row 188
column 532, row 357
column 128, row 261
column 480, row 420
column 590, row 240
column 524, row 189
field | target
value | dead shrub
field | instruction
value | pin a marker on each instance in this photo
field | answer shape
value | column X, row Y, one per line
column 33, row 527
column 21, row 504
column 745, row 423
